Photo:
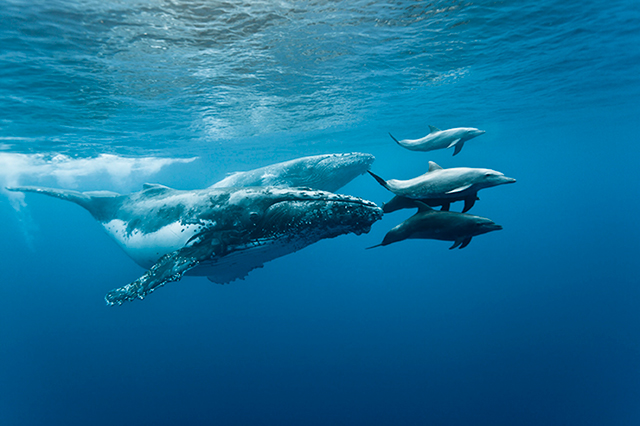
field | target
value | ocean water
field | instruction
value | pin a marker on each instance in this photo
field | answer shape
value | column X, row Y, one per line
column 537, row 324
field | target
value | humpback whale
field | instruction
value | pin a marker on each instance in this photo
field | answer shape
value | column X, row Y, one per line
column 432, row 224
column 328, row 172
column 221, row 233
column 440, row 186
column 440, row 139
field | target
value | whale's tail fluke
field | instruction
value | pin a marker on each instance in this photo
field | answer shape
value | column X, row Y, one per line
column 95, row 202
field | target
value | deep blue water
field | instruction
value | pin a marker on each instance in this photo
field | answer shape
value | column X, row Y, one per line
column 538, row 324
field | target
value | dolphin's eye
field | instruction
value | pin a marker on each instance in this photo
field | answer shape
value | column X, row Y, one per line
column 488, row 174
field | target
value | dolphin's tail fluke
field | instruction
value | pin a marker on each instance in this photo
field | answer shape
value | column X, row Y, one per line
column 377, row 245
column 94, row 202
column 397, row 141
column 379, row 179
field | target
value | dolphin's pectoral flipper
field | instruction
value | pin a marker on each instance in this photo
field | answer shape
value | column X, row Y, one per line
column 458, row 148
column 465, row 242
column 446, row 207
column 170, row 267
column 469, row 202
column 461, row 242
column 459, row 189
column 453, row 143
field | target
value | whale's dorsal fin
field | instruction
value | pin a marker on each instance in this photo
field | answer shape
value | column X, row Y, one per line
column 170, row 267
column 434, row 129
column 153, row 186
column 433, row 166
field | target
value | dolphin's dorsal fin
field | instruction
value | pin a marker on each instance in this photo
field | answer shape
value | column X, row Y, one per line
column 433, row 166
column 434, row 129
column 422, row 207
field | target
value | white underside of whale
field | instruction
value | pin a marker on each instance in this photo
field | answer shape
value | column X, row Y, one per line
column 146, row 248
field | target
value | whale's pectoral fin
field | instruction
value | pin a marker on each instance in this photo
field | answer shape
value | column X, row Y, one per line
column 446, row 207
column 171, row 267
column 458, row 148
column 468, row 203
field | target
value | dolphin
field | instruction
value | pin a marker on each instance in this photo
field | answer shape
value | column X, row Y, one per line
column 328, row 172
column 399, row 202
column 440, row 186
column 221, row 233
column 432, row 224
column 441, row 139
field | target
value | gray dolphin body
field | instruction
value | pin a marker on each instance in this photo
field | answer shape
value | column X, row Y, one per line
column 221, row 233
column 441, row 139
column 432, row 224
column 328, row 172
column 441, row 186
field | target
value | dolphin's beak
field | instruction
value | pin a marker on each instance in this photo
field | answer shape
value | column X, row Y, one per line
column 509, row 180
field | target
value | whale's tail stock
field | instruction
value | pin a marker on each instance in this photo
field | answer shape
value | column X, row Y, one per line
column 94, row 201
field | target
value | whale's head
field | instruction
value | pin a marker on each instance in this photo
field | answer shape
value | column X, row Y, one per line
column 293, row 216
column 311, row 215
